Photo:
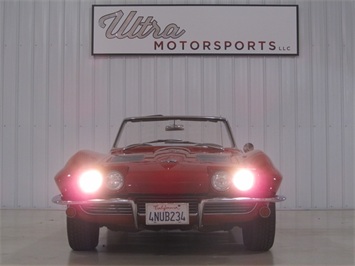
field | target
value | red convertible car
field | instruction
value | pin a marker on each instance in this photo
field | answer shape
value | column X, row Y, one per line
column 171, row 172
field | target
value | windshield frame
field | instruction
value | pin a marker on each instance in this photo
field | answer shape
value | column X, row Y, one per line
column 166, row 118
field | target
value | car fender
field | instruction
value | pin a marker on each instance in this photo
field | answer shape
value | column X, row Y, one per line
column 257, row 159
column 79, row 161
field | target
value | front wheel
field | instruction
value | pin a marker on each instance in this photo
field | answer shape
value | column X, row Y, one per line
column 82, row 236
column 259, row 235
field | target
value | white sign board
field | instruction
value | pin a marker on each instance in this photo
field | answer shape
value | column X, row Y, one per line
column 195, row 29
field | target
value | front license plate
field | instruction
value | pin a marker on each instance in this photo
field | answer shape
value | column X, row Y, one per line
column 166, row 213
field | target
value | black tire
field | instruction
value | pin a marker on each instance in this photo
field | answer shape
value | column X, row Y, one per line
column 82, row 236
column 259, row 234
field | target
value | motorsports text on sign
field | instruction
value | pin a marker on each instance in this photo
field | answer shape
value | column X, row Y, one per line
column 195, row 29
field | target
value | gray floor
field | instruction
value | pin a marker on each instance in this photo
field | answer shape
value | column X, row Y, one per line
column 37, row 237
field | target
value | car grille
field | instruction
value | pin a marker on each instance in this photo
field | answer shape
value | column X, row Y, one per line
column 228, row 207
column 107, row 208
column 193, row 203
column 208, row 208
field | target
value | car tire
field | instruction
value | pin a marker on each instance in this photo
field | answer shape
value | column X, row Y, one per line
column 259, row 234
column 82, row 236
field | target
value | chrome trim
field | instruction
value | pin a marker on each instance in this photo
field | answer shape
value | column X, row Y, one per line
column 58, row 200
column 277, row 198
column 135, row 216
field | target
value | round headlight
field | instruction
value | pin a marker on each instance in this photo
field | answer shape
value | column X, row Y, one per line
column 220, row 181
column 90, row 181
column 243, row 179
column 115, row 180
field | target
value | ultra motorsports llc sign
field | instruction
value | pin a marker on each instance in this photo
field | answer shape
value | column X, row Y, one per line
column 195, row 29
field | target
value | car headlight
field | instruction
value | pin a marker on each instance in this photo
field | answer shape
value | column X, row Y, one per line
column 220, row 181
column 90, row 181
column 115, row 180
column 244, row 179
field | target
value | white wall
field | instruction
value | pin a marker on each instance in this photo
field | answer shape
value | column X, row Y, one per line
column 56, row 98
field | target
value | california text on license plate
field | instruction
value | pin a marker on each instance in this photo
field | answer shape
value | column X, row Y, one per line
column 166, row 213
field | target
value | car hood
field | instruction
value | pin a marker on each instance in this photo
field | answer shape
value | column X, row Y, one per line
column 171, row 170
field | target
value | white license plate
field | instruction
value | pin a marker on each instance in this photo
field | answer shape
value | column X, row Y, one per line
column 166, row 213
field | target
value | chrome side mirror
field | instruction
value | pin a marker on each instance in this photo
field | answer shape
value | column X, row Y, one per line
column 248, row 147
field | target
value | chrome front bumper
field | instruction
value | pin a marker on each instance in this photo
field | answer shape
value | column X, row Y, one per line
column 201, row 206
column 58, row 200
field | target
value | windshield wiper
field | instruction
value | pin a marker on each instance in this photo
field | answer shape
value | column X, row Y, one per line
column 173, row 141
column 131, row 146
column 211, row 145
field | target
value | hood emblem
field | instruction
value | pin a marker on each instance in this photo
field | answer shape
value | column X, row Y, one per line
column 168, row 163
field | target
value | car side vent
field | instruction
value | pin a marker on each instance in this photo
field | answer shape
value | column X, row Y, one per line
column 228, row 207
column 107, row 208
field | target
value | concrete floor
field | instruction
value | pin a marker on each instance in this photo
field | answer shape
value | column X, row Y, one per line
column 38, row 237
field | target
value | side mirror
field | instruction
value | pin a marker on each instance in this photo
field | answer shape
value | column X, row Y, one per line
column 248, row 147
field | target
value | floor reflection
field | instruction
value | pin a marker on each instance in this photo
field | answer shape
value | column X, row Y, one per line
column 38, row 237
column 170, row 248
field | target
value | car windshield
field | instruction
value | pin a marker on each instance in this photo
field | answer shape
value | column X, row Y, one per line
column 175, row 131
